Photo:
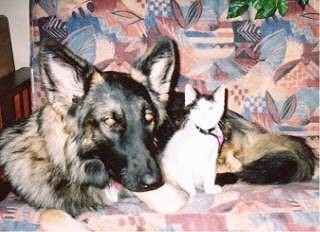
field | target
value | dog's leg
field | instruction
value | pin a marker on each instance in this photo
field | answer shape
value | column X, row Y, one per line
column 166, row 199
column 54, row 220
column 95, row 173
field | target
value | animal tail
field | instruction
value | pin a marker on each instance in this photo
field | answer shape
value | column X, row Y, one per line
column 281, row 168
column 272, row 168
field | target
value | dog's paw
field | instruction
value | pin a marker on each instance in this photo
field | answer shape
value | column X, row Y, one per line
column 54, row 220
column 166, row 199
column 95, row 173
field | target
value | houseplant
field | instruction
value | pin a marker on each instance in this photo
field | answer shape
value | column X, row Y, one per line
column 264, row 8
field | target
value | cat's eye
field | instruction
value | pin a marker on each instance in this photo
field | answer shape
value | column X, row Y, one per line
column 148, row 116
column 110, row 121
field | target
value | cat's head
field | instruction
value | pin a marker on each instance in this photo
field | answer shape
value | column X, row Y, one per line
column 205, row 110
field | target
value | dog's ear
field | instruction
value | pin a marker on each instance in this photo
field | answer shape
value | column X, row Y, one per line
column 190, row 94
column 155, row 70
column 63, row 74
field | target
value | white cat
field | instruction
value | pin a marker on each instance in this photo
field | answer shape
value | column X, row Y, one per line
column 189, row 158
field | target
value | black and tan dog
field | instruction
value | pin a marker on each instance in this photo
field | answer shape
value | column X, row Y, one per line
column 96, row 127
column 103, row 126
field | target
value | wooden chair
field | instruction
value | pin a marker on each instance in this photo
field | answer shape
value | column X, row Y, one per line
column 15, row 85
column 15, row 90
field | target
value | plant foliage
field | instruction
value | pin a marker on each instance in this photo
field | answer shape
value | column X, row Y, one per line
column 265, row 8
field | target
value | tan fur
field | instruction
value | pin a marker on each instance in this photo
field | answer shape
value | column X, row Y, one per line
column 54, row 220
column 97, row 79
column 137, row 75
column 244, row 149
column 246, row 142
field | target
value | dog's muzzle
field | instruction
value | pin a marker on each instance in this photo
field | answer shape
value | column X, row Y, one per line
column 150, row 182
column 143, row 182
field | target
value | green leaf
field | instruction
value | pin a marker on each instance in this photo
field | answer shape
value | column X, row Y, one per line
column 282, row 7
column 268, row 9
column 237, row 7
column 257, row 4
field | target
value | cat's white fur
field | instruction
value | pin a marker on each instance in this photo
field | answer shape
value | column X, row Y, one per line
column 189, row 158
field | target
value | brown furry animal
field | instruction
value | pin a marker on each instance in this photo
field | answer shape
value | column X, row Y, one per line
column 261, row 157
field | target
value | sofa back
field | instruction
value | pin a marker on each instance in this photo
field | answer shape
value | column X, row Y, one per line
column 270, row 67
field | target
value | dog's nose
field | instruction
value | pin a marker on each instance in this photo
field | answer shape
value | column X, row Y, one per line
column 151, row 181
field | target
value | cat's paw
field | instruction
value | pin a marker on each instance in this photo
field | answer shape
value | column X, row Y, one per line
column 212, row 189
column 191, row 191
column 166, row 199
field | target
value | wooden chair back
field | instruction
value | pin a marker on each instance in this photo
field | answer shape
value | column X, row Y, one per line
column 6, row 55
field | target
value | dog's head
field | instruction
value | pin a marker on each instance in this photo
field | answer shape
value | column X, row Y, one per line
column 113, row 116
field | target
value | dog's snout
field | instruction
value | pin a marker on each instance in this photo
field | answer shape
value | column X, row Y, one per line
column 151, row 181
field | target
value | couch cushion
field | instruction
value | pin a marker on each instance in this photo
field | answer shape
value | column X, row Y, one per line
column 240, row 206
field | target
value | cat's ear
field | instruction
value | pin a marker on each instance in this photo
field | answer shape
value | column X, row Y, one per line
column 219, row 94
column 190, row 94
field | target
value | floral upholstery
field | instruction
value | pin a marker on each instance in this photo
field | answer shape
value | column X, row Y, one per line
column 270, row 68
column 239, row 207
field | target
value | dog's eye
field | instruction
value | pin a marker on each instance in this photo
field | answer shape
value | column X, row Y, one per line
column 110, row 121
column 148, row 116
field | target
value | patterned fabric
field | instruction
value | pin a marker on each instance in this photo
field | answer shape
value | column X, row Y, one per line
column 240, row 207
column 270, row 68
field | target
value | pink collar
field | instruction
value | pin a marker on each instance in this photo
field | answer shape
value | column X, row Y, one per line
column 214, row 131
column 219, row 134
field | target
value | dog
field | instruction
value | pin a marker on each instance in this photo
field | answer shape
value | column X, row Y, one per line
column 97, row 127
column 249, row 153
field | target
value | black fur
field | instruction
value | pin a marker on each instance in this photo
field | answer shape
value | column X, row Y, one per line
column 96, row 173
column 271, row 169
column 280, row 168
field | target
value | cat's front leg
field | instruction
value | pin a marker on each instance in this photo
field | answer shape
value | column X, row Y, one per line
column 186, row 183
column 208, row 181
column 212, row 189
column 175, row 173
